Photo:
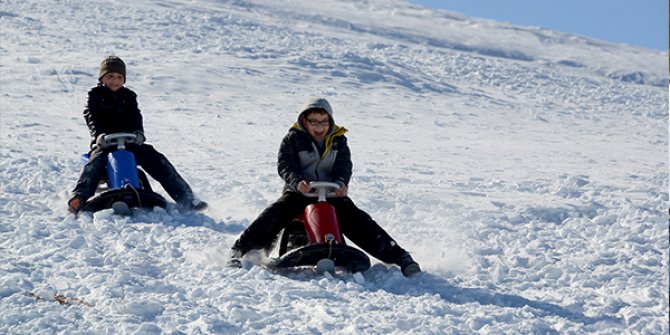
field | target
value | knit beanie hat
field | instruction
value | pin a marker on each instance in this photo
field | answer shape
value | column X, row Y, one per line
column 112, row 64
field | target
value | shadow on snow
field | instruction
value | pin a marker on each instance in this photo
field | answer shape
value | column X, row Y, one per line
column 427, row 283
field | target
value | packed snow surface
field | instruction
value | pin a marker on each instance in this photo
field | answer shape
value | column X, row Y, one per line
column 526, row 170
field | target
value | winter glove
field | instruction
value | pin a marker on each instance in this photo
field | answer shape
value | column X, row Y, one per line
column 139, row 137
column 100, row 141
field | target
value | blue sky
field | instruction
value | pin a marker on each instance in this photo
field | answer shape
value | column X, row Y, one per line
column 636, row 22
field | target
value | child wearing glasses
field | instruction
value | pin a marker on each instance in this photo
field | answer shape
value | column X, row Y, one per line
column 112, row 108
column 315, row 149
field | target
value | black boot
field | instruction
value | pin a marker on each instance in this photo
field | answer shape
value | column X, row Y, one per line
column 192, row 203
column 234, row 258
column 408, row 266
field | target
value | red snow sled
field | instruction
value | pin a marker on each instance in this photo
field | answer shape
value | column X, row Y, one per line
column 126, row 186
column 314, row 238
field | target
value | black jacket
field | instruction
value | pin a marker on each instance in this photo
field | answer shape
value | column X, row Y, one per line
column 112, row 112
column 300, row 158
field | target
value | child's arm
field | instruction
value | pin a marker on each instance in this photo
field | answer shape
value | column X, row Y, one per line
column 342, row 168
column 288, row 162
column 92, row 116
column 135, row 120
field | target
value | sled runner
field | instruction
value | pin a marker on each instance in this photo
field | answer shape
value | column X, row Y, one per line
column 126, row 186
column 314, row 238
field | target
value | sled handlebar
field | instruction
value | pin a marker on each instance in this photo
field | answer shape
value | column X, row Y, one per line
column 323, row 190
column 120, row 139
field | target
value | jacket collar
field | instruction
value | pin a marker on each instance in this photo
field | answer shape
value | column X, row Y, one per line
column 328, row 141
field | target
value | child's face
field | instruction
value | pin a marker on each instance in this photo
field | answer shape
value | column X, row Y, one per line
column 113, row 81
column 317, row 125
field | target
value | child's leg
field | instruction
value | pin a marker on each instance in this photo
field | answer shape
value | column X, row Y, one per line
column 90, row 176
column 264, row 230
column 159, row 168
column 361, row 229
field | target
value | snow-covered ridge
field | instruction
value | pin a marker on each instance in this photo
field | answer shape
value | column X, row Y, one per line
column 397, row 23
column 525, row 169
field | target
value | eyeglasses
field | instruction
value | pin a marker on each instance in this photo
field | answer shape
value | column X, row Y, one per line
column 315, row 123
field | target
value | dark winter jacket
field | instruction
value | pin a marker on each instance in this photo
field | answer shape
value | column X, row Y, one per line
column 112, row 112
column 300, row 158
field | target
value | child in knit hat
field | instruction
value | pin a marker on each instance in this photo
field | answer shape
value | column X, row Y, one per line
column 112, row 108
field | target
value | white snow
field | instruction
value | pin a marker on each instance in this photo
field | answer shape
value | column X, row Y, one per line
column 525, row 169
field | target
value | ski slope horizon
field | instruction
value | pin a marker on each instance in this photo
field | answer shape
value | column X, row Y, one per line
column 642, row 24
column 526, row 170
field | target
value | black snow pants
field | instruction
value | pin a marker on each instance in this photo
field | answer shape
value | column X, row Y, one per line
column 355, row 224
column 151, row 161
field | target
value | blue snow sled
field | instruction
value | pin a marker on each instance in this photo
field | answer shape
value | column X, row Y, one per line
column 126, row 186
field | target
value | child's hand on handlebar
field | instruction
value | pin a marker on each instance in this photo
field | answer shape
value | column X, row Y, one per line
column 304, row 187
column 342, row 191
column 101, row 142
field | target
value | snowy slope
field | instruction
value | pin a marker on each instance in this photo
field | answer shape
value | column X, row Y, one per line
column 526, row 170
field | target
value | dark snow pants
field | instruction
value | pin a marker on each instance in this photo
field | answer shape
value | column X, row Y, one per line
column 355, row 224
column 151, row 161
